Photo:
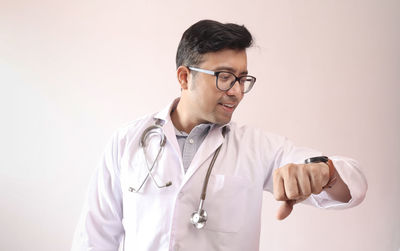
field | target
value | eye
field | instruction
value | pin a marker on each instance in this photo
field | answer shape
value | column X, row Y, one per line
column 225, row 76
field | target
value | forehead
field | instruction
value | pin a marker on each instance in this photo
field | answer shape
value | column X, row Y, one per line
column 228, row 58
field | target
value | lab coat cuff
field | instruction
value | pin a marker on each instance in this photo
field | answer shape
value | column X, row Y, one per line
column 350, row 173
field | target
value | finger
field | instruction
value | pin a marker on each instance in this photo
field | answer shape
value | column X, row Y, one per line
column 326, row 173
column 279, row 190
column 316, row 180
column 285, row 209
column 304, row 184
column 291, row 188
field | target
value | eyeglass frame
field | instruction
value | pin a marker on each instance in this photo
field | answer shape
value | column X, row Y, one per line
column 216, row 73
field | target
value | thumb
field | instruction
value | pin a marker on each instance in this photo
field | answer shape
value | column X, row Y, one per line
column 285, row 209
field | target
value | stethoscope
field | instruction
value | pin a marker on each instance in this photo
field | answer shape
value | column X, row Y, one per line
column 199, row 217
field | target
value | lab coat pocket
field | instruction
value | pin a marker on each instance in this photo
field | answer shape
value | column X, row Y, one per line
column 226, row 203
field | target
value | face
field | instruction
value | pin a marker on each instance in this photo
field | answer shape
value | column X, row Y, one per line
column 204, row 102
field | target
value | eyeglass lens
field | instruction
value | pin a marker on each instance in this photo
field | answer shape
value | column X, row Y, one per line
column 226, row 80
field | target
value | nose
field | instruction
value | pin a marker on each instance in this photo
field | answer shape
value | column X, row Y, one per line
column 235, row 90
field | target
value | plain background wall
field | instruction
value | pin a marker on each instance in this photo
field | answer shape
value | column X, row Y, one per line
column 71, row 72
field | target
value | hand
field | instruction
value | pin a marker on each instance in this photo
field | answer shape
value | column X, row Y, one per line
column 295, row 182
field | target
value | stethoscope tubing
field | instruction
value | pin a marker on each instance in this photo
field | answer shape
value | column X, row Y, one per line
column 205, row 182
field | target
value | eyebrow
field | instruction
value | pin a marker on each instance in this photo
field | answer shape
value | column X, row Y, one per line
column 230, row 69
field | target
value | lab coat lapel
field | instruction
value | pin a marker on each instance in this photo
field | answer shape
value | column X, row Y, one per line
column 213, row 140
column 169, row 132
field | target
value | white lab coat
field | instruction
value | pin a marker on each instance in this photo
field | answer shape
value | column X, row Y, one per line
column 159, row 219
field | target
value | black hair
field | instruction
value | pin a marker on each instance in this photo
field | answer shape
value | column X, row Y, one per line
column 210, row 36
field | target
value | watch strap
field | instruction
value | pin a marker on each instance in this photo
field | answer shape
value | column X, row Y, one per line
column 317, row 159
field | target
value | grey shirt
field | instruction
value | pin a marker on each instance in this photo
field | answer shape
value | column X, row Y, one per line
column 190, row 143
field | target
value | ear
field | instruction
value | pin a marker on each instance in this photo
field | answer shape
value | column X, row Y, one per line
column 182, row 74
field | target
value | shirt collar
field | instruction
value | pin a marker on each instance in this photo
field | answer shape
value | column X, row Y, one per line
column 199, row 129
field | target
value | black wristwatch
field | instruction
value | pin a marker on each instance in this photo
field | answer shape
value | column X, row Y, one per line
column 317, row 159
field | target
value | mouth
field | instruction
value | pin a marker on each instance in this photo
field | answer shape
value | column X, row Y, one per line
column 229, row 107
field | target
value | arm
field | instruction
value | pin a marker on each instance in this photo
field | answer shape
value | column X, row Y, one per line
column 294, row 183
column 286, row 161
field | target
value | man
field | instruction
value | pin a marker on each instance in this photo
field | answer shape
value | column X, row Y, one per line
column 202, row 190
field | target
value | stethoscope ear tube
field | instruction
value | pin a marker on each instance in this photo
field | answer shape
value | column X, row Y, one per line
column 154, row 129
column 148, row 131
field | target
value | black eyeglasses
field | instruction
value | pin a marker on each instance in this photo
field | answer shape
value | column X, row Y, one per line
column 226, row 80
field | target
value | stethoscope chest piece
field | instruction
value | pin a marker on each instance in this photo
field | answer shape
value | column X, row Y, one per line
column 199, row 219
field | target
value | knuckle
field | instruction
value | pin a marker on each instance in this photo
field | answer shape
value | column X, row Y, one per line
column 317, row 190
column 290, row 165
column 305, row 189
column 307, row 192
column 314, row 169
column 279, row 196
column 290, row 169
column 292, row 195
column 316, row 177
column 305, row 171
column 304, row 197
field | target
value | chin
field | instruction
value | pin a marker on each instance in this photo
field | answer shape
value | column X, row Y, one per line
column 223, row 121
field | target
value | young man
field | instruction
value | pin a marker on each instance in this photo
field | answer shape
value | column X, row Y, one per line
column 187, row 178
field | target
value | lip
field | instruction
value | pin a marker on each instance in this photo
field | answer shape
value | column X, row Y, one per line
column 227, row 108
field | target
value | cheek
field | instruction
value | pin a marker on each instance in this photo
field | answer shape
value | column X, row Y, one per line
column 240, row 98
column 207, row 101
column 207, row 96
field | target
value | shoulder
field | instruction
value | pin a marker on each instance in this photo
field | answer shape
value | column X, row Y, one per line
column 256, row 139
column 245, row 132
column 134, row 127
column 130, row 132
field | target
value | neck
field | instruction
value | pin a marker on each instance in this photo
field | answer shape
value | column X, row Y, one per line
column 181, row 119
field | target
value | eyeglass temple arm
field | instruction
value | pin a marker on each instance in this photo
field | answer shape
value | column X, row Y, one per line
column 202, row 70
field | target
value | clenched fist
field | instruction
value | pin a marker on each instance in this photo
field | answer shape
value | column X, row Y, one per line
column 295, row 182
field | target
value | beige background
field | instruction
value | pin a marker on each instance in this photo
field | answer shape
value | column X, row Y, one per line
column 71, row 72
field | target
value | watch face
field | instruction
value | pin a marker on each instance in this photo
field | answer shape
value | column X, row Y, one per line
column 317, row 159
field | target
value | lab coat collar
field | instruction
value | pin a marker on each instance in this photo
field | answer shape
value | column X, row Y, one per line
column 165, row 114
column 163, row 118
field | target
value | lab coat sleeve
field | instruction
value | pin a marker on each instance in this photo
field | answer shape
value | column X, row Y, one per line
column 283, row 152
column 100, row 226
column 350, row 172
